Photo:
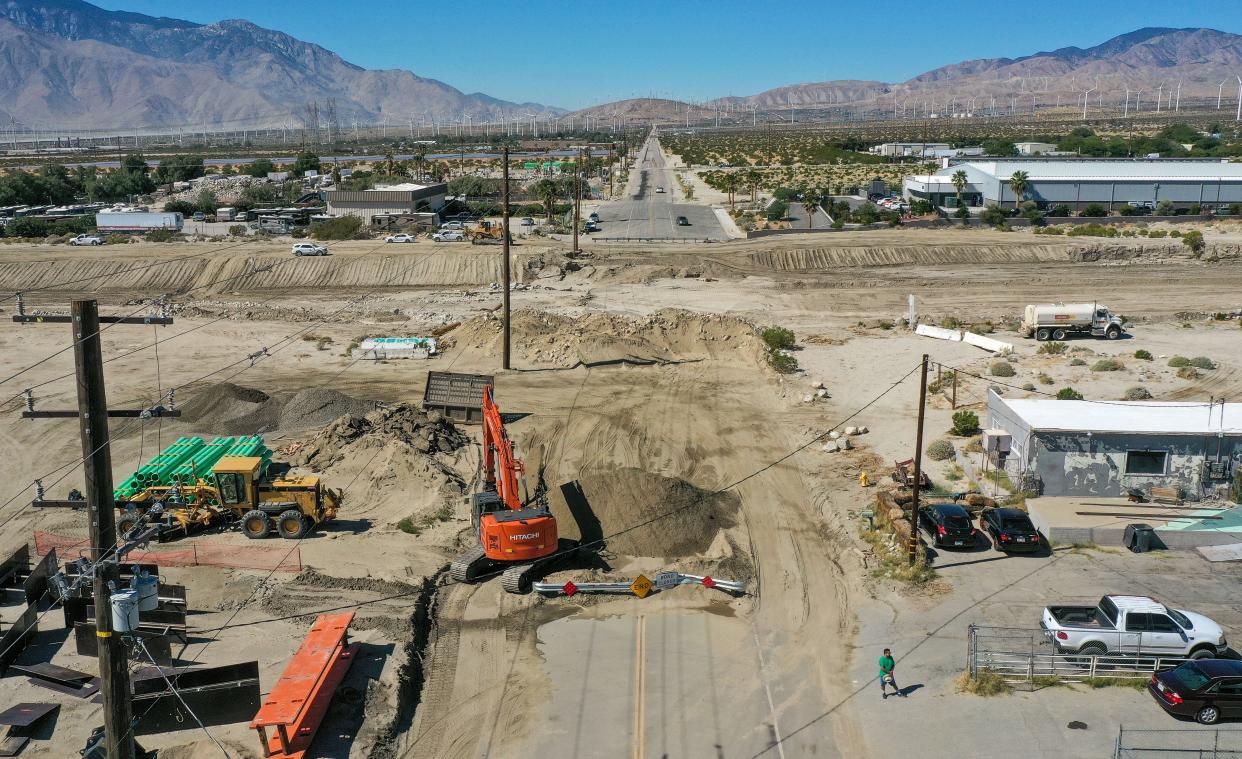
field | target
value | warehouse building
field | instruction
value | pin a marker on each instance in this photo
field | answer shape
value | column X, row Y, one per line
column 1079, row 182
column 1085, row 448
column 396, row 200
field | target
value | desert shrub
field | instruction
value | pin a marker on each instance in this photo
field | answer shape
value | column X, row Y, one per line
column 782, row 363
column 951, row 322
column 1194, row 241
column 1002, row 369
column 340, row 228
column 1188, row 372
column 1202, row 362
column 1142, row 355
column 940, row 450
column 1157, row 233
column 1054, row 348
column 1028, row 386
column 965, row 423
column 994, row 216
column 777, row 338
column 1175, row 234
column 237, row 230
column 1137, row 393
column 1044, row 379
column 159, row 235
column 1179, row 361
column 116, row 239
column 1107, row 365
column 1077, row 362
column 1094, row 210
column 1068, row 394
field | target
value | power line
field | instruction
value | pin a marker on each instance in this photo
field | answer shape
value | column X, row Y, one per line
column 177, row 693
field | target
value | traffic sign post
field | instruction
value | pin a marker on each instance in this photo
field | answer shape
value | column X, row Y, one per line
column 641, row 586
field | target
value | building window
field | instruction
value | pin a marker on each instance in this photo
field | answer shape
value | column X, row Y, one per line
column 1145, row 462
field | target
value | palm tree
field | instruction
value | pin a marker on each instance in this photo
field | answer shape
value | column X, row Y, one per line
column 547, row 190
column 960, row 180
column 1018, row 183
column 810, row 199
column 753, row 179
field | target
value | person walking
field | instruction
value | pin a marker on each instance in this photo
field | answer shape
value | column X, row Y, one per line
column 887, row 664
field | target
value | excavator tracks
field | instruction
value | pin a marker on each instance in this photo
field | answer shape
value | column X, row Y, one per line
column 469, row 565
column 517, row 579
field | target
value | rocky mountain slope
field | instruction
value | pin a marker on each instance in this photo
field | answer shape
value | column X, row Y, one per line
column 72, row 64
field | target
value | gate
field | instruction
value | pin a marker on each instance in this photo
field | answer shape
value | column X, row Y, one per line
column 1024, row 657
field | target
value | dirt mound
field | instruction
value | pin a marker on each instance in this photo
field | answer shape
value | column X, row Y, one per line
column 410, row 428
column 318, row 406
column 228, row 409
column 798, row 259
column 669, row 335
column 640, row 513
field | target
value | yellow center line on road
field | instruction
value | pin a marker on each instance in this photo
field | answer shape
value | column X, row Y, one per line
column 640, row 633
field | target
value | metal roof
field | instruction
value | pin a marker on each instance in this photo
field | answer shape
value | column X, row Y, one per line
column 1126, row 417
column 1082, row 170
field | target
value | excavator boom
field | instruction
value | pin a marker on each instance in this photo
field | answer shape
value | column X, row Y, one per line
column 500, row 467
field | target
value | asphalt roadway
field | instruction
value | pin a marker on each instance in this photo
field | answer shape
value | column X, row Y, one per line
column 647, row 214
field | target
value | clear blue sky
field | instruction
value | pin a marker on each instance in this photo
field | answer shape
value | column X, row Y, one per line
column 577, row 54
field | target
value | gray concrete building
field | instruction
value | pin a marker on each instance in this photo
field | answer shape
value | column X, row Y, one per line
column 1085, row 448
column 1079, row 182
column 402, row 199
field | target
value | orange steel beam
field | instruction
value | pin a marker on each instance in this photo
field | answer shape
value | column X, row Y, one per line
column 298, row 702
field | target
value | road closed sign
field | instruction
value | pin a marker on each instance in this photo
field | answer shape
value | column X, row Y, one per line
column 641, row 586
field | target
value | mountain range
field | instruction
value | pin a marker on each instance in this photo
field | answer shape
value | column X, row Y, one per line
column 68, row 64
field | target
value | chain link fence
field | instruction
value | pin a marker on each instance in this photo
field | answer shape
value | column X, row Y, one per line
column 1189, row 743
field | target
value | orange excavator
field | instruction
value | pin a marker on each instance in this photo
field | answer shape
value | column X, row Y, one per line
column 518, row 536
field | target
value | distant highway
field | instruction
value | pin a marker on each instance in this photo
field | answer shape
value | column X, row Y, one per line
column 648, row 214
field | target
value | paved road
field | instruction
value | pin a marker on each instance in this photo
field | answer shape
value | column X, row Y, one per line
column 650, row 214
column 797, row 216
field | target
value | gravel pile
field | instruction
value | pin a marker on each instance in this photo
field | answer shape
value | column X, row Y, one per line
column 319, row 406
column 228, row 409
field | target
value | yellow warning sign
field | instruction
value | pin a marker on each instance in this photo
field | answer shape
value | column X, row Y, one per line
column 641, row 586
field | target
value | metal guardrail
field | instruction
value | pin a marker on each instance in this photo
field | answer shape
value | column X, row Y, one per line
column 653, row 239
column 1024, row 657
column 1192, row 743
column 663, row 581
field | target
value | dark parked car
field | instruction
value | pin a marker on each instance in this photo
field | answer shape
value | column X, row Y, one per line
column 1206, row 690
column 947, row 525
column 1011, row 530
column 682, row 221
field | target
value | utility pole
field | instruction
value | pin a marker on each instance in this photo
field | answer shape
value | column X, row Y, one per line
column 918, row 463
column 505, row 247
column 97, row 468
column 577, row 201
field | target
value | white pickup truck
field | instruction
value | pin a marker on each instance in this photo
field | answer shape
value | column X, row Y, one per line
column 1132, row 625
column 85, row 239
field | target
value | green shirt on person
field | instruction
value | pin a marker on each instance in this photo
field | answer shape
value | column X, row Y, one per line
column 886, row 665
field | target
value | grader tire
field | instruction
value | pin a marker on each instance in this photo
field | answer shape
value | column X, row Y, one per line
column 125, row 524
column 291, row 524
column 256, row 525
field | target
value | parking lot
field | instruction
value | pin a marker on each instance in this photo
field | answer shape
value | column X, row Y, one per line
column 927, row 630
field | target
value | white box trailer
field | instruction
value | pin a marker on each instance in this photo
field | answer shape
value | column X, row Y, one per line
column 1056, row 321
column 138, row 222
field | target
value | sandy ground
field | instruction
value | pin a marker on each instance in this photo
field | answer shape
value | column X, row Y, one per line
column 692, row 409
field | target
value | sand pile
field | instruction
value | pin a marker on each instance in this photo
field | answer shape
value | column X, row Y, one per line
column 669, row 335
column 228, row 409
column 603, row 504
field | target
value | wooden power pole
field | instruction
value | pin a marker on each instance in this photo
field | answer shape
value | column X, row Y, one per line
column 577, row 201
column 97, row 468
column 918, row 464
column 505, row 247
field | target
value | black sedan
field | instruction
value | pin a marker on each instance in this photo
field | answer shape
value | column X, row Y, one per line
column 1206, row 690
column 682, row 221
column 947, row 525
column 1011, row 530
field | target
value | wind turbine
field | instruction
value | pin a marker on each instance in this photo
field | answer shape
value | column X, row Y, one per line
column 1159, row 96
column 1084, row 102
column 1127, row 111
column 1219, row 90
column 1238, row 116
column 1177, row 104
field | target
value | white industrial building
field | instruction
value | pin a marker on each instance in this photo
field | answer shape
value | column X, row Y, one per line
column 1079, row 182
column 395, row 200
column 924, row 150
column 1035, row 148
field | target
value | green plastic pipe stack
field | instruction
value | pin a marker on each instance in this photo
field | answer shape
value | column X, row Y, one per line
column 203, row 459
column 158, row 470
column 252, row 446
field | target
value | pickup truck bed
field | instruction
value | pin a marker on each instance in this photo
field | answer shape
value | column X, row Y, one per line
column 1080, row 616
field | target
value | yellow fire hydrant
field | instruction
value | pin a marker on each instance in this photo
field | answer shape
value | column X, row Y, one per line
column 863, row 480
